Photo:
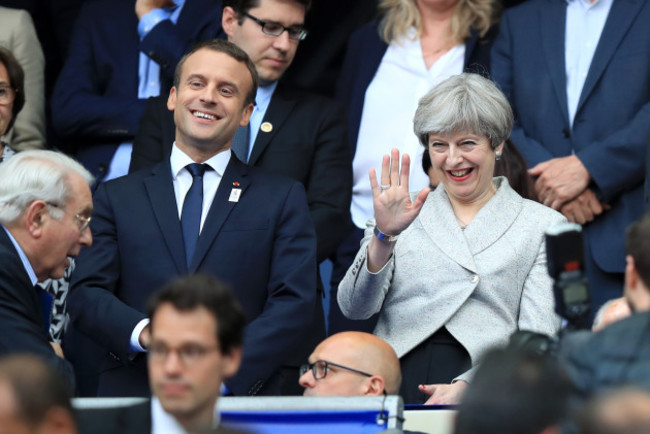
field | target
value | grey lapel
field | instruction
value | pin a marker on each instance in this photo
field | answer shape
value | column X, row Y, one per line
column 552, row 25
column 160, row 189
column 437, row 212
column 620, row 19
column 495, row 218
column 276, row 114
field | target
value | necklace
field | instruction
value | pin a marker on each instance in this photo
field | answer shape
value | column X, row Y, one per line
column 461, row 223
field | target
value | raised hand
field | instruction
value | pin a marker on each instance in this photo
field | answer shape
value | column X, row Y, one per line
column 394, row 210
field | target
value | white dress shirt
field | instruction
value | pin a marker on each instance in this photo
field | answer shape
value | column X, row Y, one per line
column 387, row 118
column 584, row 25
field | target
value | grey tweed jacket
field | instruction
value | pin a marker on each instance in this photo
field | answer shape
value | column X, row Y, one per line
column 482, row 283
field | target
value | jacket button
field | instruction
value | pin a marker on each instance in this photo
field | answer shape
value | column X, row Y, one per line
column 474, row 279
column 566, row 133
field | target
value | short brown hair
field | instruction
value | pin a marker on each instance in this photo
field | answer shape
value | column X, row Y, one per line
column 16, row 81
column 229, row 49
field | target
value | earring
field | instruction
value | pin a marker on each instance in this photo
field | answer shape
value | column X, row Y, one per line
column 498, row 156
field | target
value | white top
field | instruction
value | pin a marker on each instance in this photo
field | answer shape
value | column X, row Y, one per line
column 584, row 23
column 387, row 118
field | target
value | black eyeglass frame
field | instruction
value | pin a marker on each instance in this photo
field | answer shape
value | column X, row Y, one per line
column 299, row 36
column 312, row 367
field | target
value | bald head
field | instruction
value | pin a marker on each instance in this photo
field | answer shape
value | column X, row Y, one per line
column 611, row 312
column 362, row 352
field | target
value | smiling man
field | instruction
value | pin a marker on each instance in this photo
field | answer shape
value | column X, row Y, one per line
column 200, row 211
column 45, row 208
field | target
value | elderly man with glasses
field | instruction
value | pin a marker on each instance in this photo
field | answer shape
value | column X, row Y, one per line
column 351, row 364
column 45, row 208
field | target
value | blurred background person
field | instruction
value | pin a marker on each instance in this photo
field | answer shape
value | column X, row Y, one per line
column 18, row 35
column 12, row 97
column 457, row 274
column 611, row 312
column 389, row 65
column 622, row 411
column 515, row 392
column 33, row 398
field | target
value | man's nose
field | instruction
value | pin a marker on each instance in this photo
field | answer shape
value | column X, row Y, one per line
column 307, row 379
column 282, row 42
column 86, row 238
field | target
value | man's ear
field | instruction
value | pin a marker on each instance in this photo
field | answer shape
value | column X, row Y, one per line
column 246, row 115
column 230, row 362
column 171, row 100
column 229, row 20
column 631, row 274
column 375, row 386
column 59, row 420
column 34, row 218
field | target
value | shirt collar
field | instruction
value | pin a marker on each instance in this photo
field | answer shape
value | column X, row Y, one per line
column 263, row 97
column 23, row 258
column 180, row 159
column 163, row 422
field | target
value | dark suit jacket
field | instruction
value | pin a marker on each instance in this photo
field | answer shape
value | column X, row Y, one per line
column 95, row 103
column 308, row 143
column 263, row 246
column 612, row 124
column 362, row 59
column 131, row 419
column 21, row 316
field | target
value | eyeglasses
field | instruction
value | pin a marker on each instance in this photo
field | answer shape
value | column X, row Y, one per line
column 189, row 354
column 81, row 221
column 320, row 367
column 7, row 94
column 276, row 29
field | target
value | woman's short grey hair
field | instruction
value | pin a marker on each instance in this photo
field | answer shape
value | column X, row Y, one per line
column 36, row 175
column 464, row 103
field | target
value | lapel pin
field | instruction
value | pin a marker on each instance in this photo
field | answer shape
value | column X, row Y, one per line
column 267, row 127
column 235, row 184
column 235, row 193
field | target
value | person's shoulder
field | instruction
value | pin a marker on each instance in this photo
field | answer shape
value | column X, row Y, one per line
column 542, row 212
column 308, row 99
column 267, row 179
column 525, row 8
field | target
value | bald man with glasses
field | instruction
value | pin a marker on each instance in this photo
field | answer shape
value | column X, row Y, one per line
column 351, row 364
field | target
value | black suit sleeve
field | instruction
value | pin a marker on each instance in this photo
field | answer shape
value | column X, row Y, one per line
column 23, row 330
column 329, row 188
column 155, row 135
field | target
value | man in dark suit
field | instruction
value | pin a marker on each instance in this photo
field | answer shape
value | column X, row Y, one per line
column 122, row 52
column 45, row 207
column 197, row 327
column 578, row 78
column 250, row 228
column 293, row 133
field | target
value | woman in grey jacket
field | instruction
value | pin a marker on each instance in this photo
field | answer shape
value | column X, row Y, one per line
column 452, row 272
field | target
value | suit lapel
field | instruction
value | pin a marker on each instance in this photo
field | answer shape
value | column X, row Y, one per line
column 276, row 114
column 438, row 214
column 494, row 219
column 552, row 26
column 235, row 176
column 160, row 190
column 619, row 21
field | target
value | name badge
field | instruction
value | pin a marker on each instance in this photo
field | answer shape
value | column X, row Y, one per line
column 235, row 193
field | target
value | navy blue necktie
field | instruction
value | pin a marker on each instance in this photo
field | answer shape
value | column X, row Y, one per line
column 46, row 301
column 240, row 143
column 192, row 207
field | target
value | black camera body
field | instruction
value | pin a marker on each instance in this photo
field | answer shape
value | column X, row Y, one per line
column 565, row 256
